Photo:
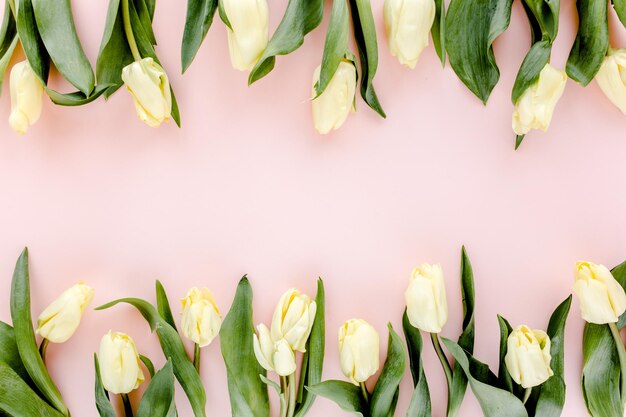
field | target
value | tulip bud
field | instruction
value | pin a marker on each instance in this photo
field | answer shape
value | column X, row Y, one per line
column 331, row 108
column 358, row 350
column 534, row 108
column 408, row 24
column 147, row 82
column 427, row 307
column 248, row 33
column 201, row 319
column 293, row 319
column 612, row 77
column 119, row 363
column 26, row 97
column 61, row 318
column 602, row 298
column 528, row 357
column 273, row 355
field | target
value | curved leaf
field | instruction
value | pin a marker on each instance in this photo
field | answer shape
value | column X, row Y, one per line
column 76, row 98
column 9, row 353
column 420, row 405
column 56, row 27
column 346, row 395
column 163, row 305
column 25, row 336
column 103, row 404
column 471, row 29
column 248, row 393
column 620, row 9
column 438, row 30
column 528, row 74
column 32, row 44
column 336, row 44
column 148, row 364
column 197, row 23
column 592, row 41
column 173, row 348
column 385, row 395
column 543, row 16
column 365, row 36
column 8, row 40
column 503, row 374
column 158, row 399
column 301, row 17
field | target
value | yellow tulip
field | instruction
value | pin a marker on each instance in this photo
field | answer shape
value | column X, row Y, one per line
column 427, row 306
column 147, row 82
column 332, row 107
column 26, row 97
column 120, row 366
column 61, row 318
column 408, row 24
column 358, row 350
column 602, row 298
column 528, row 357
column 248, row 38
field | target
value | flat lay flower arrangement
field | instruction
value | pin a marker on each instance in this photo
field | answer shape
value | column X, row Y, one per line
column 287, row 358
column 463, row 36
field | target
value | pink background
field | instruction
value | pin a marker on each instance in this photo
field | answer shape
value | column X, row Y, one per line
column 247, row 186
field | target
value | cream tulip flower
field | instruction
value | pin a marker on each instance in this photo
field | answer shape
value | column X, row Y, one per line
column 147, row 82
column 602, row 299
column 273, row 355
column 408, row 24
column 119, row 363
column 427, row 306
column 528, row 357
column 612, row 77
column 248, row 38
column 358, row 350
column 201, row 319
column 58, row 322
column 331, row 108
column 535, row 107
column 26, row 97
column 293, row 319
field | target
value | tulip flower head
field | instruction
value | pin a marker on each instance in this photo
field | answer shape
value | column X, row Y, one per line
column 332, row 107
column 535, row 107
column 26, row 97
column 427, row 306
column 120, row 366
column 528, row 357
column 602, row 299
column 201, row 319
column 248, row 34
column 274, row 355
column 612, row 77
column 58, row 322
column 147, row 82
column 358, row 350
column 293, row 319
column 408, row 24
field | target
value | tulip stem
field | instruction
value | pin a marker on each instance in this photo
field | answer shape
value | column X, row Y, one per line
column 283, row 400
column 291, row 383
column 196, row 356
column 366, row 394
column 43, row 347
column 128, row 410
column 621, row 352
column 128, row 29
column 527, row 395
column 444, row 363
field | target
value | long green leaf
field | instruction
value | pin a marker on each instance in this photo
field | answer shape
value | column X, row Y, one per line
column 592, row 41
column 619, row 273
column 504, row 377
column 8, row 40
column 146, row 19
column 385, row 395
column 103, row 404
column 25, row 336
column 148, row 364
column 30, row 39
column 173, row 348
column 494, row 402
column 365, row 36
column 336, row 44
column 313, row 360
column 248, row 393
column 528, row 74
column 77, row 98
column 301, row 17
column 18, row 399
column 9, row 353
column 620, row 9
column 163, row 305
column 199, row 18
column 438, row 30
column 471, row 29
column 346, row 395
column 420, row 405
column 158, row 399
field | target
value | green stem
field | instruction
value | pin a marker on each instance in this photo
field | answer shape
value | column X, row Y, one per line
column 128, row 410
column 128, row 29
column 283, row 390
column 12, row 6
column 196, row 356
column 43, row 347
column 527, row 395
column 444, row 364
column 621, row 352
column 365, row 392
column 291, row 383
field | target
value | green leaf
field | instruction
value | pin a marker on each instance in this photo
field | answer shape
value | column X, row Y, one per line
column 365, row 36
column 346, row 395
column 592, row 41
column 32, row 44
column 5, row 59
column 158, row 399
column 248, row 393
column 313, row 358
column 103, row 404
column 471, row 29
column 9, row 353
column 620, row 9
column 25, row 336
column 57, row 30
column 466, row 339
column 163, row 305
column 528, row 74
column 8, row 40
column 336, row 44
column 518, row 140
column 619, row 273
column 145, row 19
column 18, row 399
column 503, row 374
column 438, row 30
column 543, row 16
column 77, row 98
column 385, row 395
column 173, row 348
column 301, row 17
column 420, row 405
column 148, row 364
column 199, row 18
column 494, row 402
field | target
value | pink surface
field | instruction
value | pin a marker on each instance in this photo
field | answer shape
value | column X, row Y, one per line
column 246, row 186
